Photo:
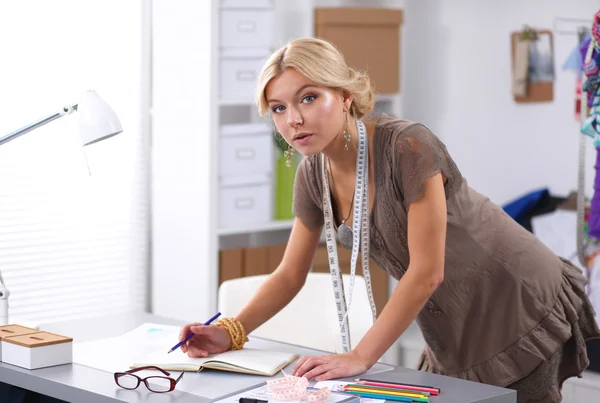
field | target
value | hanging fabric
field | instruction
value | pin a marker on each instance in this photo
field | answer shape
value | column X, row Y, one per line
column 575, row 63
column 591, row 123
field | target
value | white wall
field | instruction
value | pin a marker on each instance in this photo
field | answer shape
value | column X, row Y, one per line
column 184, row 283
column 72, row 242
column 456, row 79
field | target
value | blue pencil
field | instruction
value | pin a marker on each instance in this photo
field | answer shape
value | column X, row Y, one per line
column 189, row 336
column 380, row 396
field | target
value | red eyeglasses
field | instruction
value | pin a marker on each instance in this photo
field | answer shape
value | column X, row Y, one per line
column 158, row 384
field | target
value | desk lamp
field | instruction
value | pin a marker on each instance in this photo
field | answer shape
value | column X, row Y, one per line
column 97, row 122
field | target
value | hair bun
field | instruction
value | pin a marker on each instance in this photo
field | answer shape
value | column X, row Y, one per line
column 364, row 94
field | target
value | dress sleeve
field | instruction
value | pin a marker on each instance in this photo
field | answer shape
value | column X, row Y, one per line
column 306, row 198
column 419, row 155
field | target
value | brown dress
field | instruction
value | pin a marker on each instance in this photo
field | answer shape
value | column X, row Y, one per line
column 509, row 312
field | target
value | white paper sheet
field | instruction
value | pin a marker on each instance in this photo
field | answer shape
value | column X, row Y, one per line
column 118, row 353
column 337, row 385
column 262, row 392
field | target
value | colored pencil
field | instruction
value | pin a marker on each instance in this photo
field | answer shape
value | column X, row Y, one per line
column 434, row 391
column 382, row 393
column 363, row 385
column 413, row 393
column 189, row 336
column 374, row 396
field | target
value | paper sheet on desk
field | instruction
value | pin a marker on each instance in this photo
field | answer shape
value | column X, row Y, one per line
column 262, row 393
column 118, row 353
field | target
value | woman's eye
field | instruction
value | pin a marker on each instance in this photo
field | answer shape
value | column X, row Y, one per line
column 308, row 98
column 278, row 109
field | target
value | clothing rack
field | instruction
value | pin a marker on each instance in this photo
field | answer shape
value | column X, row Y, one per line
column 573, row 26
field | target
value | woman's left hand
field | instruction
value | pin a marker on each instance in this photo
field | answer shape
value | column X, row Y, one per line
column 329, row 366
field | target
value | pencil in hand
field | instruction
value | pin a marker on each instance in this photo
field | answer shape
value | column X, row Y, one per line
column 189, row 336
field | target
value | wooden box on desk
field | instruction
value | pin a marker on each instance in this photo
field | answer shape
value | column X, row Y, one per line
column 37, row 350
column 13, row 330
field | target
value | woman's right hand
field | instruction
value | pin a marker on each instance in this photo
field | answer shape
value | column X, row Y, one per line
column 207, row 340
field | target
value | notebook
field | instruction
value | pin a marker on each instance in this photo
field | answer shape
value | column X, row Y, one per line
column 246, row 361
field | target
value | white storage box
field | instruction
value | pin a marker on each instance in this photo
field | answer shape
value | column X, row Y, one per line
column 239, row 73
column 247, row 27
column 37, row 350
column 245, row 200
column 14, row 330
column 246, row 149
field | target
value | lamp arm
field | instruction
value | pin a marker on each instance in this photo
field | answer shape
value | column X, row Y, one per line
column 66, row 110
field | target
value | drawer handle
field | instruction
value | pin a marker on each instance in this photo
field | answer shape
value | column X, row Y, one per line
column 244, row 153
column 244, row 204
column 245, row 75
column 246, row 26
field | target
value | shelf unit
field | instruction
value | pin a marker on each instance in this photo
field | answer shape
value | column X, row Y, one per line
column 269, row 226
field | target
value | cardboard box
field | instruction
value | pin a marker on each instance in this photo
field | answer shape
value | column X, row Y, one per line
column 37, row 350
column 369, row 39
column 14, row 330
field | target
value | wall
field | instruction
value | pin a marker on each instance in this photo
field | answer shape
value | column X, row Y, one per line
column 456, row 79
column 184, row 283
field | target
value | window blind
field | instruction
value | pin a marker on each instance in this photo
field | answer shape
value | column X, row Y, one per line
column 73, row 221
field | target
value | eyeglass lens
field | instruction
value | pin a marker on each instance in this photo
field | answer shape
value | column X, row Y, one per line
column 127, row 381
column 158, row 384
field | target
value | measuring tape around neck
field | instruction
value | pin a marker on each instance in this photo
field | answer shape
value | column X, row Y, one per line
column 360, row 231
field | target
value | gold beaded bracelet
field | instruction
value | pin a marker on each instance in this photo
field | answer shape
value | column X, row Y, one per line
column 236, row 332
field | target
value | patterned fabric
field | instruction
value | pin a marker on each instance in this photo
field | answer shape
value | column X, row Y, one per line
column 592, row 68
column 591, row 126
column 591, row 84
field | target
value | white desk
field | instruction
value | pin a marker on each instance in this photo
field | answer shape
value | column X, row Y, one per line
column 77, row 383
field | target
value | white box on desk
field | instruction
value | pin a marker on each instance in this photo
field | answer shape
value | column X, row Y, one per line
column 239, row 73
column 37, row 350
column 245, row 200
column 14, row 330
column 246, row 149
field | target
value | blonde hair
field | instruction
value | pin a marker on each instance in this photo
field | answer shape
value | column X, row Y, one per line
column 320, row 62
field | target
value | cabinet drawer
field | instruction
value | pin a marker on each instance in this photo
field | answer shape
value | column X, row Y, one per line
column 245, row 149
column 239, row 73
column 247, row 27
column 246, row 204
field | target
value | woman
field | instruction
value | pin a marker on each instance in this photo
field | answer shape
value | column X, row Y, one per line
column 494, row 304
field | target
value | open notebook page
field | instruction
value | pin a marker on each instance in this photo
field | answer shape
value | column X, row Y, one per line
column 245, row 360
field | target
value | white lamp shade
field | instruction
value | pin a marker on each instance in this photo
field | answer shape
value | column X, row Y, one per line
column 97, row 120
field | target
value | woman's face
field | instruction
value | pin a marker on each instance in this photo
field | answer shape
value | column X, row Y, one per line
column 307, row 115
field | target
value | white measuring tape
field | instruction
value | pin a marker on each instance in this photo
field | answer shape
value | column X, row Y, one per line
column 360, row 231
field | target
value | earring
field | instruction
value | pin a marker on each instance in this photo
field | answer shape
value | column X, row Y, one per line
column 288, row 154
column 346, row 134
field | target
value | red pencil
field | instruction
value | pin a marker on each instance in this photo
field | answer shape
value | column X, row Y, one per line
column 430, row 389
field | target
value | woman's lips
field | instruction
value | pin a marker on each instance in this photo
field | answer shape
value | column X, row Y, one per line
column 302, row 138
